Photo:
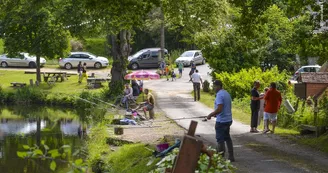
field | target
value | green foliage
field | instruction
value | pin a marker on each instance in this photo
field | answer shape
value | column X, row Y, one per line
column 206, row 86
column 54, row 155
column 132, row 158
column 217, row 164
column 29, row 95
column 239, row 84
column 175, row 55
column 2, row 95
column 1, row 46
column 96, row 46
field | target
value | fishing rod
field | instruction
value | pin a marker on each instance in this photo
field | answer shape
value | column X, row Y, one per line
column 183, row 118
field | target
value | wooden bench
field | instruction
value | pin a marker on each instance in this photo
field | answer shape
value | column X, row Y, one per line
column 96, row 82
column 18, row 84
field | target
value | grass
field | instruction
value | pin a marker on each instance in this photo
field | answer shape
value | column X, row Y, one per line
column 132, row 158
column 70, row 86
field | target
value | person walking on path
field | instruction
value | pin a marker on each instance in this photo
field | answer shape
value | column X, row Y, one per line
column 255, row 106
column 222, row 112
column 167, row 72
column 272, row 103
column 162, row 66
column 79, row 71
column 192, row 70
column 197, row 81
column 181, row 68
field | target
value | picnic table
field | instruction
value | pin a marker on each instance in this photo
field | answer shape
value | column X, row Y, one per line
column 54, row 76
column 95, row 82
column 18, row 84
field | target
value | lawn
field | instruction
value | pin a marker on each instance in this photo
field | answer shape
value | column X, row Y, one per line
column 70, row 86
column 244, row 117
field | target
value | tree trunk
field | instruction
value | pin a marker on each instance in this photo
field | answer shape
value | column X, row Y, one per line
column 120, row 51
column 38, row 74
column 162, row 34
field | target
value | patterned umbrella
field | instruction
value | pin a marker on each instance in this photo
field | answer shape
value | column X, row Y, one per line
column 142, row 75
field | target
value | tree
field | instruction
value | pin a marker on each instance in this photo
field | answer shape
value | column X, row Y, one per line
column 30, row 26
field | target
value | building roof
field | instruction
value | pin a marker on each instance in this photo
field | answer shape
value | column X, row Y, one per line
column 318, row 77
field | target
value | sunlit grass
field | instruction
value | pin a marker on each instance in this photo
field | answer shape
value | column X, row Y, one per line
column 70, row 86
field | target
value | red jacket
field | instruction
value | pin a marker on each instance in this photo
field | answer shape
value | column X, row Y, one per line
column 272, row 100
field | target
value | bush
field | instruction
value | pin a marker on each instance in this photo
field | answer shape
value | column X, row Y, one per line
column 175, row 55
column 1, row 46
column 240, row 84
column 2, row 96
column 96, row 46
column 206, row 86
column 29, row 95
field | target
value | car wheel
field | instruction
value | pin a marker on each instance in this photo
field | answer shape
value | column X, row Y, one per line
column 68, row 66
column 32, row 65
column 134, row 66
column 97, row 65
column 4, row 64
column 203, row 62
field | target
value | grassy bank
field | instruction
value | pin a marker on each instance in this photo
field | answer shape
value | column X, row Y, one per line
column 243, row 116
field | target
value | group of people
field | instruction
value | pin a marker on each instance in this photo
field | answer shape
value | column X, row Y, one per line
column 131, row 92
column 264, row 105
column 166, row 70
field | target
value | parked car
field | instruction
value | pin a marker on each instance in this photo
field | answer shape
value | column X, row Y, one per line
column 190, row 56
column 308, row 68
column 145, row 58
column 85, row 57
column 21, row 60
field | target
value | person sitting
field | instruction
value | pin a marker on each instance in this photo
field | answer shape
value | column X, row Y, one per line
column 128, row 94
column 148, row 105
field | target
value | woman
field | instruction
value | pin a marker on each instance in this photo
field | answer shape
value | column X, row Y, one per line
column 84, row 71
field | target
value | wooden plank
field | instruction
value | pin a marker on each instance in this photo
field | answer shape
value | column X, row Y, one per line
column 189, row 153
column 192, row 128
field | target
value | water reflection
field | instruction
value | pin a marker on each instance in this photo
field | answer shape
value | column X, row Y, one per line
column 31, row 125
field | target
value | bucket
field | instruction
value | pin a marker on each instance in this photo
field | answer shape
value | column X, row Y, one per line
column 162, row 147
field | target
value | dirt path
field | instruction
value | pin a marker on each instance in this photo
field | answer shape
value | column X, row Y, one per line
column 253, row 152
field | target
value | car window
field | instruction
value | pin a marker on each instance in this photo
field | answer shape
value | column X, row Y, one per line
column 306, row 69
column 312, row 69
column 154, row 54
column 196, row 54
column 74, row 56
column 145, row 56
column 84, row 56
column 187, row 54
column 317, row 69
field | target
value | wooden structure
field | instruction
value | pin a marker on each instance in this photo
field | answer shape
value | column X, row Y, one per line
column 18, row 84
column 312, row 85
column 93, row 82
column 190, row 150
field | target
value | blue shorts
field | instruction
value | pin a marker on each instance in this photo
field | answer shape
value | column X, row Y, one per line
column 180, row 70
column 270, row 116
column 222, row 131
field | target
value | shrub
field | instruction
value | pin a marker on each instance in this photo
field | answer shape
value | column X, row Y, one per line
column 239, row 84
column 175, row 55
column 76, row 45
column 206, row 86
column 96, row 46
column 2, row 95
column 29, row 95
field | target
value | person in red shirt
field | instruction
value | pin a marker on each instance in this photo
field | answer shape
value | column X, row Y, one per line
column 272, row 105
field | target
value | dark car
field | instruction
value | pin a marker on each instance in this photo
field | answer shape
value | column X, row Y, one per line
column 145, row 58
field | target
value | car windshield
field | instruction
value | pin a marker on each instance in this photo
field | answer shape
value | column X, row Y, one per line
column 136, row 55
column 187, row 54
column 92, row 54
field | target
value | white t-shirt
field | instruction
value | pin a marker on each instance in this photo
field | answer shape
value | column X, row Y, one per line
column 196, row 78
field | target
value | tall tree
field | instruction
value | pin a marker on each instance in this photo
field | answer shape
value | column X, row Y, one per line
column 30, row 26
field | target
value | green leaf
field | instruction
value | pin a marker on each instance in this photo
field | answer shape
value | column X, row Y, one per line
column 78, row 162
column 42, row 142
column 53, row 165
column 53, row 151
column 21, row 154
column 63, row 155
column 66, row 146
column 46, row 147
column 26, row 147
column 38, row 152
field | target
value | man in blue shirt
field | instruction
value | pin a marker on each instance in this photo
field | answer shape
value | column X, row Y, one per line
column 223, row 114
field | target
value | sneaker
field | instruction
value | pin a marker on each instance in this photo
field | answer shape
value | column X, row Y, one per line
column 266, row 131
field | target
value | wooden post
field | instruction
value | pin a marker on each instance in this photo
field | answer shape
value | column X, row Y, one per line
column 189, row 153
column 31, row 82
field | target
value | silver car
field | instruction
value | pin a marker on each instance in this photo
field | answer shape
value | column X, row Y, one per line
column 190, row 56
column 22, row 60
column 85, row 57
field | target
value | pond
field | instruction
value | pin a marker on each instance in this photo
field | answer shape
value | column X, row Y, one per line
column 32, row 126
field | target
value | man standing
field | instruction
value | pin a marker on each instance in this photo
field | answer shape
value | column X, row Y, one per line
column 255, row 106
column 162, row 66
column 272, row 105
column 79, row 71
column 223, row 114
column 197, row 81
column 180, row 67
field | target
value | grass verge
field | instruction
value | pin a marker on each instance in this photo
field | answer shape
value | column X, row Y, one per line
column 244, row 117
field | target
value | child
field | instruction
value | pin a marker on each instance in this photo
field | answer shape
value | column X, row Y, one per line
column 180, row 66
column 173, row 75
column 167, row 72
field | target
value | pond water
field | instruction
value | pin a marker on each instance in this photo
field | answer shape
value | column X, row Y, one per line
column 33, row 126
